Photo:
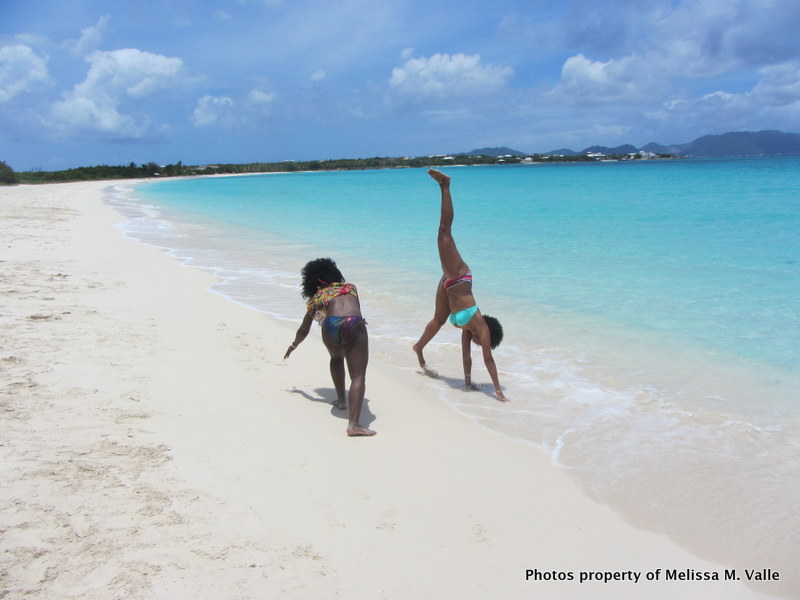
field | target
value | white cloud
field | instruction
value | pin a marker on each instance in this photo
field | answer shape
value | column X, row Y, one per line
column 90, row 38
column 319, row 75
column 261, row 97
column 233, row 112
column 774, row 100
column 584, row 81
column 718, row 96
column 445, row 76
column 212, row 109
column 95, row 115
column 130, row 71
column 719, row 36
column 21, row 70
column 779, row 85
column 678, row 45
column 94, row 106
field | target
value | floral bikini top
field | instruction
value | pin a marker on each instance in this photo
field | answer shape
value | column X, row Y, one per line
column 319, row 302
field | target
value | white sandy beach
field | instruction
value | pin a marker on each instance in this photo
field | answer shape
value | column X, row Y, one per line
column 155, row 444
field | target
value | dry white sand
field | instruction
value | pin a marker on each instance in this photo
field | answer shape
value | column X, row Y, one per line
column 154, row 444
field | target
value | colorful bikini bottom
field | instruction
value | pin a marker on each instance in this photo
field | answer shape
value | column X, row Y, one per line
column 338, row 327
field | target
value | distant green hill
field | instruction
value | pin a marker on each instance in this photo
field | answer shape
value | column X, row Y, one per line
column 734, row 143
column 502, row 151
column 624, row 149
column 742, row 143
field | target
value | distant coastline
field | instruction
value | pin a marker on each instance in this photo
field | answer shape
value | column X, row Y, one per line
column 726, row 145
column 732, row 144
column 152, row 170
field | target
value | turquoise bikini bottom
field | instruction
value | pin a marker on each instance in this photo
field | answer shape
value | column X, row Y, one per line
column 462, row 317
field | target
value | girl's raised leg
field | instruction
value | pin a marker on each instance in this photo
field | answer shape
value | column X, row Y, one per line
column 453, row 265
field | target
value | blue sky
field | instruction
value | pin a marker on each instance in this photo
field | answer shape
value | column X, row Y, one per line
column 86, row 82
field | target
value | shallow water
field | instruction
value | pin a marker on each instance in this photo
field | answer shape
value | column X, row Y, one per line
column 651, row 310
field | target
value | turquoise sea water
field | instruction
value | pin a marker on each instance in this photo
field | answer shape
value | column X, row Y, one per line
column 651, row 312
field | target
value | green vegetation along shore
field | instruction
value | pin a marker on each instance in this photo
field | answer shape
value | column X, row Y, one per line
column 134, row 171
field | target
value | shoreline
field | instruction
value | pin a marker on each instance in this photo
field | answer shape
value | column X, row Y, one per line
column 156, row 445
column 639, row 431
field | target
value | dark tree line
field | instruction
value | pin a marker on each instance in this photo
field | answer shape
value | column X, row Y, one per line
column 134, row 171
column 100, row 172
column 7, row 174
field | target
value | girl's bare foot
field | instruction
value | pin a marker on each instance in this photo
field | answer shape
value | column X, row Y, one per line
column 421, row 359
column 341, row 404
column 418, row 352
column 359, row 431
column 439, row 176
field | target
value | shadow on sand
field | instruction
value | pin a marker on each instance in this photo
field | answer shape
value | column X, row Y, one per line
column 328, row 396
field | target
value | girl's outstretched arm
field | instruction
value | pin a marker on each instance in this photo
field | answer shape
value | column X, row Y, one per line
column 301, row 334
column 491, row 367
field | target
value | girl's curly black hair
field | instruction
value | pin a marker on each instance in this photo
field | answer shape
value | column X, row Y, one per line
column 319, row 273
column 495, row 330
